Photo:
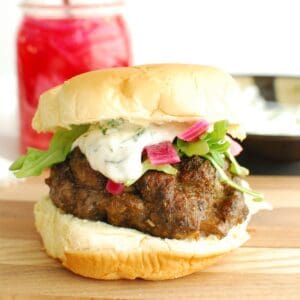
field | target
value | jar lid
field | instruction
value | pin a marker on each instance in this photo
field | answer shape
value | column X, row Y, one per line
column 72, row 8
column 70, row 2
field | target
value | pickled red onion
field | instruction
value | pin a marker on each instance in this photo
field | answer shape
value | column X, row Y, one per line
column 162, row 153
column 192, row 133
column 114, row 187
column 235, row 147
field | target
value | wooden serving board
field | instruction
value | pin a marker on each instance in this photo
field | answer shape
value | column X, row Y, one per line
column 267, row 267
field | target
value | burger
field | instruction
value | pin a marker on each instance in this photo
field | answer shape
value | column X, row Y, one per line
column 144, row 181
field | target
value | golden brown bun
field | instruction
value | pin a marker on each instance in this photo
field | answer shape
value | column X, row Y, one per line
column 147, row 265
column 142, row 95
column 102, row 251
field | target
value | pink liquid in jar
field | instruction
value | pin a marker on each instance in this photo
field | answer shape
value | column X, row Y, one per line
column 52, row 50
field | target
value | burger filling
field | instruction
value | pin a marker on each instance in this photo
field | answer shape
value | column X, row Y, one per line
column 191, row 203
column 171, row 181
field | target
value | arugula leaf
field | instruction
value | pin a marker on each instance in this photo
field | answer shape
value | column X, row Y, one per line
column 220, row 146
column 216, row 150
column 167, row 168
column 235, row 167
column 213, row 142
column 223, row 176
column 218, row 133
column 220, row 129
column 36, row 161
column 18, row 163
column 199, row 147
column 218, row 157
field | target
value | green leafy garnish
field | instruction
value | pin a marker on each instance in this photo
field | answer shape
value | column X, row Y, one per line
column 147, row 166
column 218, row 134
column 199, row 147
column 167, row 168
column 235, row 167
column 214, row 147
column 213, row 142
column 223, row 176
column 218, row 157
column 36, row 161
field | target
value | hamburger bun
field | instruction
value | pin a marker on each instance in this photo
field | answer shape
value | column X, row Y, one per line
column 140, row 95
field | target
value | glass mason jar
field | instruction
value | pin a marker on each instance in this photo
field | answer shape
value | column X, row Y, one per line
column 56, row 42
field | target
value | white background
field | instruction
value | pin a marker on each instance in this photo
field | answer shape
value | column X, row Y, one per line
column 240, row 36
column 249, row 36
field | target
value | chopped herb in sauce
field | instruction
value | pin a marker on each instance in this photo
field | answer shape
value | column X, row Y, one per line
column 113, row 123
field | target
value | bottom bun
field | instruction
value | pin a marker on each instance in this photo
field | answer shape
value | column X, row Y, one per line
column 98, row 250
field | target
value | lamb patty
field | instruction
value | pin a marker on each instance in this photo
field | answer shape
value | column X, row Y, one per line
column 191, row 203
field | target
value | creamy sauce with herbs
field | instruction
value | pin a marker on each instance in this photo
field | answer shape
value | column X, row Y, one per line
column 116, row 152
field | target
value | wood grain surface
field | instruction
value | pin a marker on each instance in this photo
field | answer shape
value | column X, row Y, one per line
column 267, row 267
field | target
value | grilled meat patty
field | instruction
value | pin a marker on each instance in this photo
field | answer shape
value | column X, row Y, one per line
column 191, row 203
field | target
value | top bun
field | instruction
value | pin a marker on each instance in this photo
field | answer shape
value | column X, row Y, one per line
column 142, row 95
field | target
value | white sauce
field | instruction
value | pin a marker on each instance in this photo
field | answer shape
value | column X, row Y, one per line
column 117, row 152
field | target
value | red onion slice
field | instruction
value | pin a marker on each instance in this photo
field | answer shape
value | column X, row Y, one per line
column 114, row 187
column 192, row 133
column 162, row 153
column 235, row 147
